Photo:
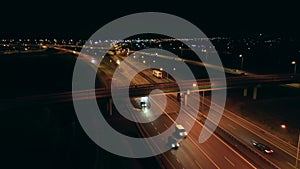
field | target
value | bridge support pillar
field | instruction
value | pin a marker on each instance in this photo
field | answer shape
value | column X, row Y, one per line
column 203, row 97
column 185, row 99
column 245, row 92
column 179, row 96
column 254, row 93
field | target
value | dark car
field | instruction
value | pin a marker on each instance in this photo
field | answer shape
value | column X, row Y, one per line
column 143, row 104
column 264, row 148
column 173, row 142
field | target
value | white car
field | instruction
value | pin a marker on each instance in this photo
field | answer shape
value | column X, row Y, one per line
column 179, row 129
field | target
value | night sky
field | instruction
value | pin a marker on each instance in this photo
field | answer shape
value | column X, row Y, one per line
column 47, row 19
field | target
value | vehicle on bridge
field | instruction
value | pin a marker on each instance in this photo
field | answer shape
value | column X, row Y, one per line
column 157, row 74
column 180, row 131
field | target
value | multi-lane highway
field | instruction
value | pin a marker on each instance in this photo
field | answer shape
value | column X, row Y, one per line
column 215, row 153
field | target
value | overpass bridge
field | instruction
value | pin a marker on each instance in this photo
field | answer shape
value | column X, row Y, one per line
column 204, row 85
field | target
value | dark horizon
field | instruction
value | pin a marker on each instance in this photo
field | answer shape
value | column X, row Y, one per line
column 81, row 20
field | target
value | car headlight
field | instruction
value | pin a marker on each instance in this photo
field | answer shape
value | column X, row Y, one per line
column 173, row 145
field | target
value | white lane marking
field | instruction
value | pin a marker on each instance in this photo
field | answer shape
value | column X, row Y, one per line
column 213, row 114
column 292, row 165
column 222, row 142
column 229, row 161
column 207, row 156
column 153, row 143
column 187, row 123
column 166, row 125
column 197, row 163
column 231, row 126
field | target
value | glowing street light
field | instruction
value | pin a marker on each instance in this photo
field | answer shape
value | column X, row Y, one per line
column 283, row 126
column 205, row 51
column 180, row 48
column 295, row 66
column 242, row 60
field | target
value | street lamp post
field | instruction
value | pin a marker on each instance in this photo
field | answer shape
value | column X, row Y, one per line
column 180, row 51
column 283, row 126
column 242, row 60
column 297, row 155
column 295, row 66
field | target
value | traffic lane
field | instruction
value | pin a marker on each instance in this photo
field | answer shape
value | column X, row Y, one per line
column 287, row 148
column 188, row 154
column 191, row 156
column 223, row 160
column 149, row 130
column 257, row 160
column 226, row 155
column 279, row 157
column 122, row 75
column 187, row 157
column 216, row 150
column 227, row 149
column 188, row 149
column 133, row 62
